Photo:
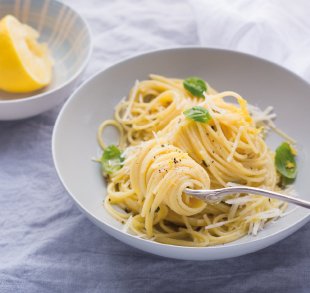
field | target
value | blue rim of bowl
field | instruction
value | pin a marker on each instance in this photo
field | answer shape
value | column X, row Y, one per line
column 70, row 80
column 232, row 244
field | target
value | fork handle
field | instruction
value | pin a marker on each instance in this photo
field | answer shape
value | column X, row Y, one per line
column 215, row 194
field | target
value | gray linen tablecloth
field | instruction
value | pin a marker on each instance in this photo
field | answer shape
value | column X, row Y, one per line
column 48, row 245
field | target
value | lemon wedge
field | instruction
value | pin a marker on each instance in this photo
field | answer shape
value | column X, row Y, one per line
column 25, row 65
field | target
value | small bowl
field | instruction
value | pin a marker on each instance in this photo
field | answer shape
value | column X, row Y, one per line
column 69, row 40
column 261, row 82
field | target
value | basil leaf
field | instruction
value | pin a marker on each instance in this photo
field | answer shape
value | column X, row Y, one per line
column 198, row 114
column 111, row 160
column 285, row 161
column 284, row 182
column 195, row 86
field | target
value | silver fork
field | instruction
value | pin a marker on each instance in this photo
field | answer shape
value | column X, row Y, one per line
column 218, row 195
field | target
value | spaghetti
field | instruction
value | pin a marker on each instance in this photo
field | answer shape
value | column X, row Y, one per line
column 163, row 152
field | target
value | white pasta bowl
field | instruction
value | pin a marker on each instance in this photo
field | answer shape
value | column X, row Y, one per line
column 262, row 83
column 69, row 40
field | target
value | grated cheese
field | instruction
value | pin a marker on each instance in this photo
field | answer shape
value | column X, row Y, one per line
column 262, row 117
column 266, row 118
column 255, row 228
column 235, row 145
column 240, row 200
column 272, row 213
column 216, row 225
column 127, row 224
column 281, row 133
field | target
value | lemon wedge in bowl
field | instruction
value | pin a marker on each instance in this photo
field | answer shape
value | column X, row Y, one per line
column 25, row 64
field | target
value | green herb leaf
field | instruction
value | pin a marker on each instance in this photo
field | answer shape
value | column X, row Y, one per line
column 111, row 160
column 195, row 86
column 198, row 114
column 285, row 181
column 285, row 161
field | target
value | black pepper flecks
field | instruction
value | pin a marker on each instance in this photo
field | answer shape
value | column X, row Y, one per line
column 175, row 161
column 204, row 163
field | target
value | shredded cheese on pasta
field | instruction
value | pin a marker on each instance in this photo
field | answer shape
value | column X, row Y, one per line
column 165, row 152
